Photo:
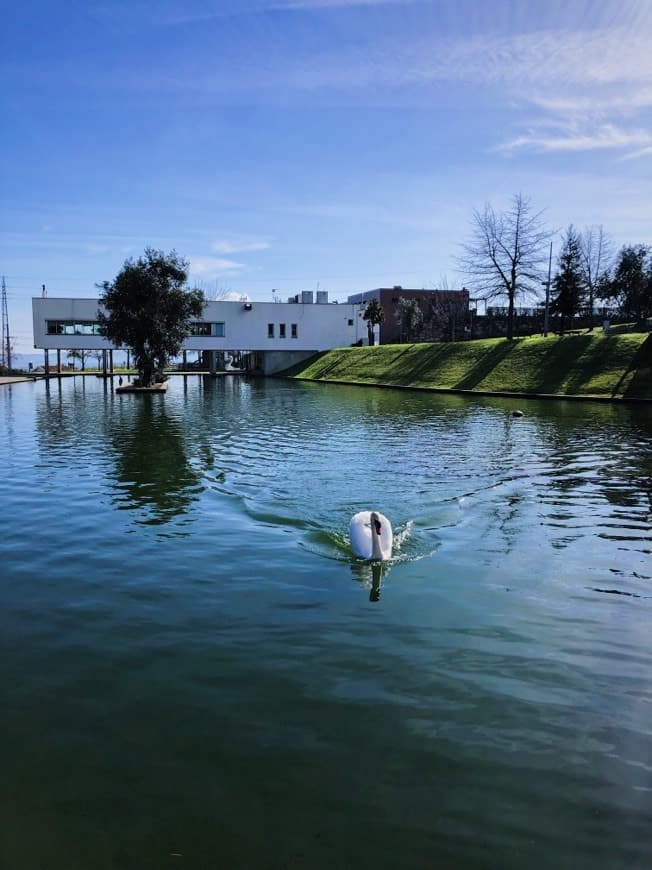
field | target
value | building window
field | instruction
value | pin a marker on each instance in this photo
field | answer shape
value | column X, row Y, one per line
column 350, row 322
column 207, row 329
column 294, row 330
column 281, row 330
column 72, row 327
column 270, row 330
column 84, row 327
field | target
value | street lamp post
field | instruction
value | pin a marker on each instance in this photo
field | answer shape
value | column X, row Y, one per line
column 546, row 284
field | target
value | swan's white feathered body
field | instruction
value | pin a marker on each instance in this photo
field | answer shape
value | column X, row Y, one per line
column 371, row 536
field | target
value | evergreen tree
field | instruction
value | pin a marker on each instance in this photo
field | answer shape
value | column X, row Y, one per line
column 568, row 283
column 631, row 285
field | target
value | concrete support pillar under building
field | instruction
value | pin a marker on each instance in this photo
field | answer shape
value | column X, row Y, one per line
column 111, row 360
column 58, row 361
column 46, row 362
column 212, row 361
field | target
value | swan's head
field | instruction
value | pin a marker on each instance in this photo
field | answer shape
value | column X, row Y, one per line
column 375, row 522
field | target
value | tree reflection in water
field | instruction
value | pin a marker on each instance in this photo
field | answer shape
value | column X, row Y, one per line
column 151, row 466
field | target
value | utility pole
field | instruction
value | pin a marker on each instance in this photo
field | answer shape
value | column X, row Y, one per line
column 6, row 339
column 547, row 286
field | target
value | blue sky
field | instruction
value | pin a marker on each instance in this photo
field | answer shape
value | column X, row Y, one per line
column 296, row 144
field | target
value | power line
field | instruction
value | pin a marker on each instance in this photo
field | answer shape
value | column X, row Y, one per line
column 6, row 339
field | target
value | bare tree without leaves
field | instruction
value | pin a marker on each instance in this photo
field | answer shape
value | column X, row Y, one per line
column 448, row 309
column 506, row 253
column 410, row 318
column 597, row 257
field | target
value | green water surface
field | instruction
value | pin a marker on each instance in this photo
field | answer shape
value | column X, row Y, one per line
column 196, row 672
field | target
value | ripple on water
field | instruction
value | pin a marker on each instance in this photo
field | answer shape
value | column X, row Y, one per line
column 190, row 648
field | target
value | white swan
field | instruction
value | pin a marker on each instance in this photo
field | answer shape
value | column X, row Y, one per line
column 371, row 536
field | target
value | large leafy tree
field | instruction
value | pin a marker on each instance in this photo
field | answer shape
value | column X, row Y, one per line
column 568, row 284
column 374, row 314
column 147, row 309
column 631, row 285
column 506, row 253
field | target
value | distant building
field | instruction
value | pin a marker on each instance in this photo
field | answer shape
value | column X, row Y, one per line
column 272, row 336
column 445, row 312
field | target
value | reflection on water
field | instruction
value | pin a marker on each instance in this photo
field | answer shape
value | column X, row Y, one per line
column 196, row 670
column 131, row 442
column 151, row 468
column 370, row 575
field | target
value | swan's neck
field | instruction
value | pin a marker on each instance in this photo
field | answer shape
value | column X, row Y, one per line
column 376, row 552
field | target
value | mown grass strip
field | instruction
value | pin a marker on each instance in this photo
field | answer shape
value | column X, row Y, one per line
column 593, row 364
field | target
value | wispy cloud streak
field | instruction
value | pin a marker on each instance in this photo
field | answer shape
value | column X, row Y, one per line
column 239, row 247
column 211, row 267
column 577, row 138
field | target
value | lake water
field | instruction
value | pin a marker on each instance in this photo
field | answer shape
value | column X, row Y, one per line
column 195, row 672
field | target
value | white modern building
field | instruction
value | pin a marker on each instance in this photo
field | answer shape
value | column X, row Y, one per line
column 268, row 336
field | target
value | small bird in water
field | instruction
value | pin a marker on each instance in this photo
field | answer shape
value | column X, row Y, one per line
column 518, row 414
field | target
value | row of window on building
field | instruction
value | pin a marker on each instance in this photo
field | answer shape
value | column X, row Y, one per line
column 282, row 331
column 72, row 327
column 216, row 330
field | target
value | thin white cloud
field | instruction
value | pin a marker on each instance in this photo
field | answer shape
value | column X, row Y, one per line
column 135, row 16
column 588, row 57
column 606, row 136
column 209, row 267
column 623, row 103
column 643, row 152
column 589, row 88
column 239, row 247
column 334, row 4
column 539, row 63
column 583, row 76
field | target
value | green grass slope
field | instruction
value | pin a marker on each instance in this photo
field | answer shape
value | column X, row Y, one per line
column 593, row 364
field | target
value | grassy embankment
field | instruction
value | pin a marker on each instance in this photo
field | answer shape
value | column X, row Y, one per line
column 592, row 365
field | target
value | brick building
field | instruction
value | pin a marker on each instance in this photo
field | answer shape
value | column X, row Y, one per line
column 445, row 312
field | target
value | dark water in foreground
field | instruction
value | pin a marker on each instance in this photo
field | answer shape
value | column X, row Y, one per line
column 195, row 673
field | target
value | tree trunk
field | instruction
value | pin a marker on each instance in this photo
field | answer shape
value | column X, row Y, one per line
column 147, row 374
column 510, row 318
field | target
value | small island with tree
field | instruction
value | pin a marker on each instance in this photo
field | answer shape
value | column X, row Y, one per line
column 147, row 309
